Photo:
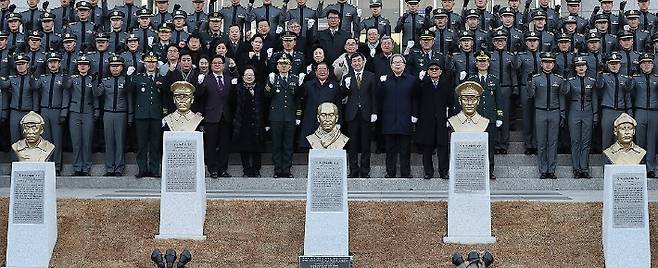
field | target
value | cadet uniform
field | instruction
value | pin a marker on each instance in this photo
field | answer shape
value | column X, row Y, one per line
column 117, row 37
column 30, row 19
column 629, row 57
column 382, row 24
column 349, row 18
column 645, row 100
column 608, row 41
column 640, row 37
column 50, row 40
column 16, row 39
column 54, row 107
column 84, row 30
column 582, row 103
column 133, row 58
column 63, row 16
column 159, row 17
column 410, row 24
column 546, row 38
column 285, row 108
column 69, row 57
column 83, row 109
column 514, row 35
column 305, row 16
column 481, row 36
column 464, row 61
column 198, row 20
column 18, row 98
column 647, row 19
column 37, row 57
column 145, row 34
column 528, row 65
column 147, row 90
column 269, row 12
column 235, row 14
column 179, row 34
column 130, row 11
column 490, row 105
column 418, row 59
column 616, row 99
column 503, row 66
column 581, row 23
column 564, row 58
column 548, row 92
column 118, row 112
column 5, row 68
column 445, row 39
column 100, row 60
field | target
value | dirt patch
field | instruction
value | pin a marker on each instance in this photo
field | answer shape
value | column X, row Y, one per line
column 120, row 233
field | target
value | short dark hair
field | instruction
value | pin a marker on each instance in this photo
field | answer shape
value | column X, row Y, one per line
column 358, row 55
column 217, row 56
column 333, row 11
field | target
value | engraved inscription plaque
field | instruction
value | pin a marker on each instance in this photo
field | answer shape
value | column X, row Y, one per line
column 180, row 167
column 628, row 201
column 326, row 184
column 28, row 196
column 470, row 167
column 325, row 262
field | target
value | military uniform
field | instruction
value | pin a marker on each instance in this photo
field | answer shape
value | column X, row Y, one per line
column 179, row 34
column 51, row 40
column 133, row 59
column 63, row 16
column 514, row 35
column 382, row 24
column 5, row 68
column 418, row 59
column 197, row 21
column 464, row 61
column 146, row 36
column 19, row 97
column 285, row 108
column 235, row 14
column 503, row 66
column 147, row 91
column 304, row 15
column 130, row 11
column 582, row 105
column 629, row 57
column 549, row 14
column 528, row 65
column 54, row 107
column 616, row 99
column 118, row 112
column 445, row 39
column 161, row 17
column 69, row 57
column 16, row 38
column 548, row 92
column 269, row 12
column 30, row 19
column 647, row 20
column 83, row 109
column 117, row 37
column 349, row 17
column 581, row 23
column 100, row 64
column 37, row 56
column 99, row 16
column 410, row 25
column 84, row 30
column 645, row 103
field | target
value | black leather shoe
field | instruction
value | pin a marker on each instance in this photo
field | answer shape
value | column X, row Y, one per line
column 492, row 176
column 108, row 174
column 651, row 174
column 78, row 173
column 444, row 175
column 118, row 174
column 390, row 176
column 276, row 175
column 225, row 175
column 365, row 176
column 551, row 176
column 141, row 175
column 214, row 174
column 427, row 176
column 288, row 175
column 354, row 175
column 503, row 151
column 585, row 175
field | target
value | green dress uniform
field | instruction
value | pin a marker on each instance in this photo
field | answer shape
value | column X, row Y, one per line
column 490, row 107
column 285, row 109
column 147, row 90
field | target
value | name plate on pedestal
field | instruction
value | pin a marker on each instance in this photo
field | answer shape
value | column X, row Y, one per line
column 183, row 190
column 325, row 262
column 469, row 201
column 326, row 228
column 626, row 217
column 32, row 230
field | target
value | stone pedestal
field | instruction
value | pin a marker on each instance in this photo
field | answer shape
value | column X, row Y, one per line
column 626, row 217
column 32, row 230
column 326, row 228
column 183, row 191
column 469, row 201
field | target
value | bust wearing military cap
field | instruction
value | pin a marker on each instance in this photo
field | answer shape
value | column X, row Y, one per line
column 183, row 119
column 327, row 136
column 624, row 151
column 32, row 148
column 468, row 120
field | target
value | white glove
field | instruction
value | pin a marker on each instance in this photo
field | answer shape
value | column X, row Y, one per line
column 297, row 122
column 421, row 75
column 269, row 52
column 373, row 51
column 410, row 43
column 382, row 78
column 301, row 78
column 348, row 82
column 160, row 63
column 234, row 81
column 163, row 122
column 462, row 75
column 279, row 29
column 272, row 76
column 310, row 24
column 309, row 69
column 251, row 54
column 130, row 70
column 267, row 129
column 150, row 41
column 201, row 78
column 337, row 126
column 359, row 12
column 373, row 118
column 499, row 123
column 414, row 119
column 433, row 28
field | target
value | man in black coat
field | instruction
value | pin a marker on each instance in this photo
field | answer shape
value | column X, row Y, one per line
column 217, row 97
column 332, row 39
column 359, row 115
column 436, row 100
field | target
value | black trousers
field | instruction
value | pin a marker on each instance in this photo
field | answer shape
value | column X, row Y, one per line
column 491, row 129
column 358, row 131
column 218, row 143
column 398, row 145
column 251, row 163
column 149, row 145
column 441, row 154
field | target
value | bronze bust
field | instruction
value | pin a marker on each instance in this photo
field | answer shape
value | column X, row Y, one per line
column 32, row 148
column 469, row 120
column 327, row 136
column 183, row 119
column 625, row 151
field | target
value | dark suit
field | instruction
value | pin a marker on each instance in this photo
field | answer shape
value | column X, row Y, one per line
column 334, row 44
column 217, row 103
column 361, row 103
column 431, row 130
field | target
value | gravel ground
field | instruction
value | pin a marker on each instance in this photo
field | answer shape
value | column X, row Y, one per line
column 120, row 233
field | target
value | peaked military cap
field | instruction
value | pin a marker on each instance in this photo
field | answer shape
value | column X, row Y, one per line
column 144, row 13
column 412, row 2
column 466, row 35
column 82, row 59
column 116, row 60
column 283, row 59
column 547, row 56
column 625, row 34
column 580, row 60
column 51, row 56
column 593, row 37
column 102, row 37
column 4, row 34
column 472, row 13
column 601, row 18
column 531, row 35
column 375, row 3
column 69, row 37
column 21, row 58
column 167, row 26
column 132, row 37
column 427, row 35
column 507, row 11
column 83, row 5
column 632, row 14
column 440, row 12
column 116, row 15
column 573, row 2
column 469, row 88
column 482, row 55
column 564, row 37
column 14, row 16
column 500, row 34
column 215, row 16
column 570, row 19
column 538, row 15
column 288, row 36
column 646, row 57
column 150, row 57
column 47, row 16
column 614, row 57
column 34, row 35
column 179, row 14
